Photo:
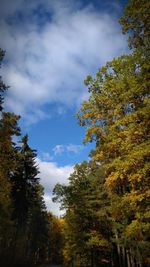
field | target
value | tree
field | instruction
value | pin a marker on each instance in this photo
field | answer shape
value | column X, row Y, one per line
column 55, row 241
column 8, row 129
column 3, row 87
column 87, row 229
column 135, row 21
column 38, row 228
column 117, row 116
column 24, row 222
column 29, row 213
column 24, row 181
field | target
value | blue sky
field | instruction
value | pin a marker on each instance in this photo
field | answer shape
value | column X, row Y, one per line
column 51, row 46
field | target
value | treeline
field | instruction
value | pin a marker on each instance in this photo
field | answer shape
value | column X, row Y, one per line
column 107, row 221
column 28, row 233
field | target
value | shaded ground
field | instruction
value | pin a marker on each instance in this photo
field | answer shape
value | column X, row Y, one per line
column 49, row 265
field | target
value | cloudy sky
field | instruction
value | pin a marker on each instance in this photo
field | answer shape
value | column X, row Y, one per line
column 51, row 46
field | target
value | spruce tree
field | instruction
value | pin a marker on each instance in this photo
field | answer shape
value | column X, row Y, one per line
column 3, row 87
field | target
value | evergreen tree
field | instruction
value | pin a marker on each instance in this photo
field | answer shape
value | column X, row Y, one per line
column 24, row 182
column 29, row 208
column 38, row 228
column 3, row 87
column 55, row 240
column 87, row 229
column 8, row 129
column 24, row 222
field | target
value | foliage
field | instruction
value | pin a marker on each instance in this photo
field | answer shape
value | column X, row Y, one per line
column 107, row 199
column 8, row 128
column 116, row 117
column 3, row 87
column 24, row 222
column 55, row 242
column 87, row 227
column 135, row 21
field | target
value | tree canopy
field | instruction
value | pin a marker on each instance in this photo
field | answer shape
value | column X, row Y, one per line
column 107, row 213
column 25, row 224
column 117, row 120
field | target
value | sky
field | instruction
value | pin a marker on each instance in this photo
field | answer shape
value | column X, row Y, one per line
column 51, row 46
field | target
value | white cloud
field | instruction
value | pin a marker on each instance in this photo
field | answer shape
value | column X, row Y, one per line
column 70, row 148
column 51, row 174
column 74, row 148
column 58, row 149
column 45, row 156
column 54, row 207
column 47, row 64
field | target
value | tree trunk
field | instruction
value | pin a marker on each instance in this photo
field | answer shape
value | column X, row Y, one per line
column 124, row 257
column 132, row 258
column 92, row 258
column 128, row 259
column 118, row 249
